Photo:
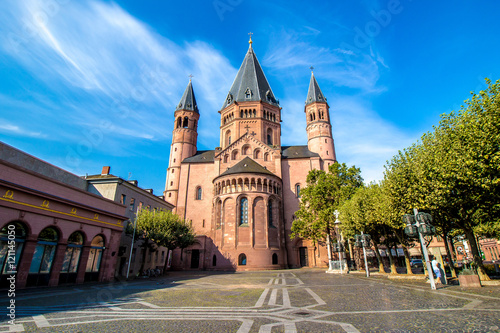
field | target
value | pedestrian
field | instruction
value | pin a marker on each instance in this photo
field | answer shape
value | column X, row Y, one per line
column 436, row 269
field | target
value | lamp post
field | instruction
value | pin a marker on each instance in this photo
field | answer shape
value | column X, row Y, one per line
column 363, row 241
column 419, row 225
column 131, row 248
column 339, row 248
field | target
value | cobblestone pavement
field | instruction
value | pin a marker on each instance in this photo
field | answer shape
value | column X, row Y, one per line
column 305, row 300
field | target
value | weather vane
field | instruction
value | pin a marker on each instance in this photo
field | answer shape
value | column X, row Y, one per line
column 250, row 41
column 311, row 68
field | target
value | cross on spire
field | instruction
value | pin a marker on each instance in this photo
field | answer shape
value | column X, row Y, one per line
column 190, row 77
column 247, row 128
column 311, row 68
column 250, row 41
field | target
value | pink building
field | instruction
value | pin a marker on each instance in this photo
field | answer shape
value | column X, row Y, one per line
column 62, row 233
column 241, row 196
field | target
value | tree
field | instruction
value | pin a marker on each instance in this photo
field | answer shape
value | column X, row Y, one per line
column 163, row 228
column 323, row 195
column 454, row 171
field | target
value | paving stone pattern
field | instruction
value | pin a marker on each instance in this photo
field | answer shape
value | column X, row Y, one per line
column 305, row 300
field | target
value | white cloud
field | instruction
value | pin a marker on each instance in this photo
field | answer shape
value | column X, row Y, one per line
column 102, row 64
column 364, row 139
column 8, row 128
column 344, row 66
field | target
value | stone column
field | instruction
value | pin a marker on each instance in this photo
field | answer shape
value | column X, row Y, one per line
column 25, row 262
column 57, row 263
column 82, row 265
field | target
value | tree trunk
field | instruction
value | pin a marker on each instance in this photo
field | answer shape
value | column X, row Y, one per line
column 145, row 247
column 381, row 268
column 449, row 255
column 391, row 260
column 407, row 259
column 165, row 265
column 475, row 253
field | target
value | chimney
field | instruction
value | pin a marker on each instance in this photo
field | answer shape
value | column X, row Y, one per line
column 105, row 170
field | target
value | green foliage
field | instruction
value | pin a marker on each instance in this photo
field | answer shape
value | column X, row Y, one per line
column 323, row 195
column 164, row 228
column 453, row 173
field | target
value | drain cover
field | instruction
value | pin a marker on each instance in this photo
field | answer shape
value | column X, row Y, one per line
column 302, row 313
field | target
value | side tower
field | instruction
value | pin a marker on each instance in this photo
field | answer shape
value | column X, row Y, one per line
column 319, row 128
column 184, row 139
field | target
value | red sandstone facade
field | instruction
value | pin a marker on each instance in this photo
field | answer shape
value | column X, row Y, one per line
column 63, row 234
column 241, row 196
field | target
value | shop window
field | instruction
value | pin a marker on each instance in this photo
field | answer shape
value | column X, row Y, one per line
column 41, row 264
column 17, row 230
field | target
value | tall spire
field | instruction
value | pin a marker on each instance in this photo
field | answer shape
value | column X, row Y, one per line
column 314, row 94
column 250, row 83
column 188, row 101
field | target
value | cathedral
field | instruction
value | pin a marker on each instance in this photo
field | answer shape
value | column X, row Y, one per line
column 241, row 197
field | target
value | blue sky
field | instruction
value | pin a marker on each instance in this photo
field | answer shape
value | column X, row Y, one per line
column 85, row 84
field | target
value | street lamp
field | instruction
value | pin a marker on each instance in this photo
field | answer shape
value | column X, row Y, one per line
column 363, row 241
column 338, row 247
column 419, row 225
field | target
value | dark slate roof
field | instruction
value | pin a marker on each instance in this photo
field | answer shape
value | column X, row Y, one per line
column 250, row 83
column 188, row 101
column 296, row 152
column 201, row 156
column 247, row 165
column 314, row 94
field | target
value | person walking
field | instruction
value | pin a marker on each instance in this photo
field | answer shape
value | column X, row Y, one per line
column 435, row 268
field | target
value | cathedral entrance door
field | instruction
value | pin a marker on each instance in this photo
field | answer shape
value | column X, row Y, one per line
column 303, row 256
column 195, row 258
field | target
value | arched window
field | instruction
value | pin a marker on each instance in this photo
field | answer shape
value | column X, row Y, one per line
column 297, row 190
column 243, row 211
column 256, row 153
column 226, row 158
column 17, row 230
column 39, row 273
column 234, row 155
column 185, row 124
column 214, row 260
column 269, row 136
column 266, row 157
column 245, row 150
column 242, row 259
column 270, row 213
column 311, row 116
column 71, row 258
column 228, row 138
column 179, row 122
column 198, row 193
column 275, row 259
column 95, row 257
column 219, row 215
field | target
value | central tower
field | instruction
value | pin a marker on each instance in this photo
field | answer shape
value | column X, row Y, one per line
column 250, row 106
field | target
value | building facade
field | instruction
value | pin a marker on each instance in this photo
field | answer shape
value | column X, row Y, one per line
column 241, row 197
column 128, row 193
column 62, row 234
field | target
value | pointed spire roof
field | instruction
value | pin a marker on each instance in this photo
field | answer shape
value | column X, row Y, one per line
column 314, row 94
column 188, row 101
column 250, row 83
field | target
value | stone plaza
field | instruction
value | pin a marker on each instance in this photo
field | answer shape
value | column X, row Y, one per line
column 300, row 300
